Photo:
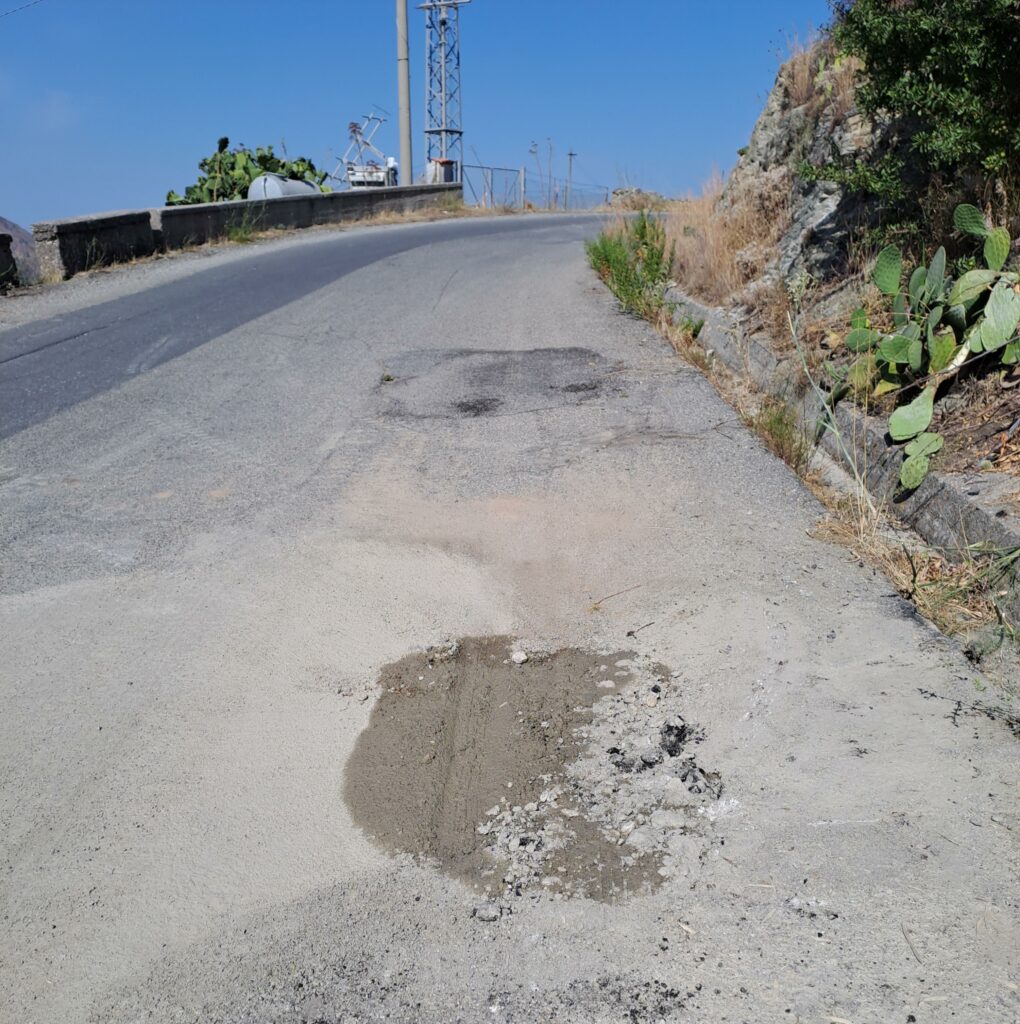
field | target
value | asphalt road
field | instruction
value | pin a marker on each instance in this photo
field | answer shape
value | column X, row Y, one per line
column 55, row 362
column 233, row 488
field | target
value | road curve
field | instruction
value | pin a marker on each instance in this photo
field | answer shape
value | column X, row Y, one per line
column 52, row 363
column 228, row 500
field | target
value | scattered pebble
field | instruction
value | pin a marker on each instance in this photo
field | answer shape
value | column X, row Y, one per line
column 519, row 657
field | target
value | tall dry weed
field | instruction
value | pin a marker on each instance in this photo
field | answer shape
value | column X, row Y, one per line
column 799, row 71
column 840, row 86
column 721, row 246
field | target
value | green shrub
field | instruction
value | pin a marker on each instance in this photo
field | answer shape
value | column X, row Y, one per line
column 882, row 177
column 948, row 66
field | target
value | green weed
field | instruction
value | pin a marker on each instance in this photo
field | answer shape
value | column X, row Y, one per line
column 636, row 261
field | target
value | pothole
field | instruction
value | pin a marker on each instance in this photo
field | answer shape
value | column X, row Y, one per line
column 570, row 772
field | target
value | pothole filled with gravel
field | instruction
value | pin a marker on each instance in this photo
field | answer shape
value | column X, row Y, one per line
column 571, row 772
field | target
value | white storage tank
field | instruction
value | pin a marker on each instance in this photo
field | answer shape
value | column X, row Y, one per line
column 273, row 186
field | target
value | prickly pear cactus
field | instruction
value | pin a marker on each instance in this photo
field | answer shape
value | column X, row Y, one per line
column 939, row 325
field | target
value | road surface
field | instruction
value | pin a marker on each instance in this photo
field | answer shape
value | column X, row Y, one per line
column 236, row 488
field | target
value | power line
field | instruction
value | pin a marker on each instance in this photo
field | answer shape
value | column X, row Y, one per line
column 23, row 7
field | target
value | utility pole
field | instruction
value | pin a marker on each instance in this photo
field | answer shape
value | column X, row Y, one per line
column 404, row 95
column 538, row 163
column 552, row 202
column 570, row 176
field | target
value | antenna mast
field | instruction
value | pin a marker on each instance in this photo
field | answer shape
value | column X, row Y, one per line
column 444, row 134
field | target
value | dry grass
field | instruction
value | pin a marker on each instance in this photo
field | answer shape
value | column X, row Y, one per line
column 800, row 69
column 958, row 597
column 841, row 83
column 720, row 246
column 776, row 423
column 814, row 73
column 770, row 303
column 683, row 336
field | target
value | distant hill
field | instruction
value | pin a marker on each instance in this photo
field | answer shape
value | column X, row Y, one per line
column 23, row 247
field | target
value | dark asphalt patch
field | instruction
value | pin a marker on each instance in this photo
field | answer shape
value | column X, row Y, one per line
column 484, row 382
column 477, row 406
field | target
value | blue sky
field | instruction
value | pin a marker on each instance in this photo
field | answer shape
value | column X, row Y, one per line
column 107, row 104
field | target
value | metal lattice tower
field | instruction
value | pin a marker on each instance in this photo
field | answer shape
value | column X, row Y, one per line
column 443, row 130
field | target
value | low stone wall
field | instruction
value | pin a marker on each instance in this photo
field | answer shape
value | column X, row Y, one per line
column 955, row 513
column 8, row 267
column 67, row 247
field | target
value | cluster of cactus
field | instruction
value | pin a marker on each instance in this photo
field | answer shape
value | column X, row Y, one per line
column 228, row 173
column 939, row 324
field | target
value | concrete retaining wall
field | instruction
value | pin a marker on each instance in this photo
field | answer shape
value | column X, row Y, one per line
column 955, row 513
column 67, row 247
column 8, row 268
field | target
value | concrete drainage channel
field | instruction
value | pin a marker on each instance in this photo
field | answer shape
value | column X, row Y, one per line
column 572, row 773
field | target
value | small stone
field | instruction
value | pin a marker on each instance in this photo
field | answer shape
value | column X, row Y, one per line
column 486, row 912
column 641, row 839
column 519, row 657
column 662, row 818
column 651, row 700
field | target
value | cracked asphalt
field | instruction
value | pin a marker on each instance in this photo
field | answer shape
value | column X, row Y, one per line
column 234, row 487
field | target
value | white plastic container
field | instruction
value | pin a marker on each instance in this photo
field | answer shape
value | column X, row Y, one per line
column 273, row 186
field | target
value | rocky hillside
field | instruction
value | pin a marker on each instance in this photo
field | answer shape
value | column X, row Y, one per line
column 23, row 247
column 810, row 118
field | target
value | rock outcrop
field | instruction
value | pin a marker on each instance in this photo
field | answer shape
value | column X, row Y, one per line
column 819, row 128
column 8, row 268
column 22, row 248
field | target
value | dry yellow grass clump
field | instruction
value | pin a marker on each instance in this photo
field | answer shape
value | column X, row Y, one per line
column 722, row 244
column 958, row 597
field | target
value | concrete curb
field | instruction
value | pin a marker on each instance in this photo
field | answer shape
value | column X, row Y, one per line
column 67, row 247
column 952, row 512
